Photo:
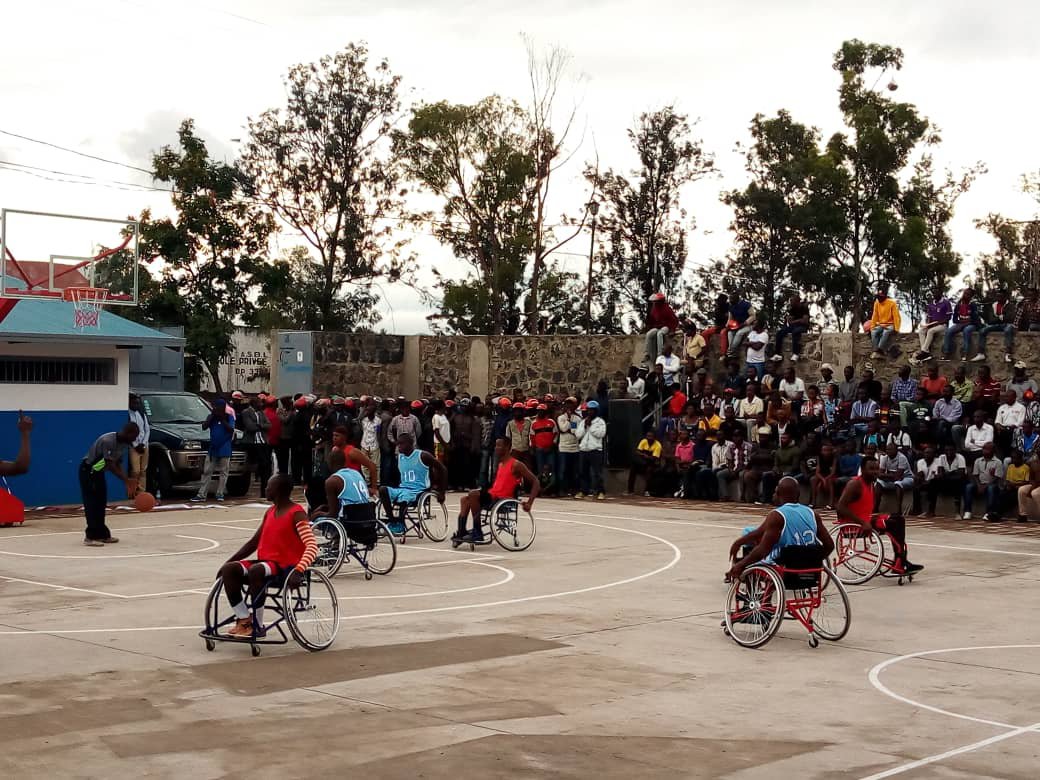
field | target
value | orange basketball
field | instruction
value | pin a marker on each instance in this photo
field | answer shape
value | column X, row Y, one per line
column 145, row 502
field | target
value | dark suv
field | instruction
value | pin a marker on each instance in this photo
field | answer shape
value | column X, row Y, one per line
column 177, row 444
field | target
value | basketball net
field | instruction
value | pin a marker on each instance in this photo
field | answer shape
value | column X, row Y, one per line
column 87, row 303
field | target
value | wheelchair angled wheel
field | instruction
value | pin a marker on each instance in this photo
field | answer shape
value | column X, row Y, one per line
column 859, row 553
column 380, row 557
column 433, row 517
column 511, row 526
column 832, row 618
column 754, row 606
column 312, row 611
column 332, row 545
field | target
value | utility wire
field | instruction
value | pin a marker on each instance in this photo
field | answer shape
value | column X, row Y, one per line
column 74, row 151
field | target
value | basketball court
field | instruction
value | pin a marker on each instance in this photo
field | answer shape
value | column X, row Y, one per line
column 597, row 652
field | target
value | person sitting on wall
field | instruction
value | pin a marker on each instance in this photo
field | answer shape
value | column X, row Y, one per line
column 661, row 322
column 885, row 320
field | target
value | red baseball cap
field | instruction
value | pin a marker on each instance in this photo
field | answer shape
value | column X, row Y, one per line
column 449, row 403
column 531, row 403
column 417, row 404
column 300, row 402
column 504, row 402
column 543, row 408
column 519, row 405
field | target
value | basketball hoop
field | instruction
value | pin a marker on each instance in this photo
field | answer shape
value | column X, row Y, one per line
column 88, row 302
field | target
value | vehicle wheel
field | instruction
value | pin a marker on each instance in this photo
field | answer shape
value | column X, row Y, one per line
column 859, row 554
column 382, row 556
column 255, row 650
column 312, row 611
column 433, row 518
column 755, row 606
column 238, row 486
column 332, row 545
column 831, row 620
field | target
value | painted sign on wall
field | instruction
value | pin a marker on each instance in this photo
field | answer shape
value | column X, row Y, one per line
column 247, row 367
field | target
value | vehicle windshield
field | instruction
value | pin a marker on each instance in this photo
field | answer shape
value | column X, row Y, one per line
column 182, row 409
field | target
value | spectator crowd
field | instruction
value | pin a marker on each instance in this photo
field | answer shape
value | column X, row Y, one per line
column 728, row 434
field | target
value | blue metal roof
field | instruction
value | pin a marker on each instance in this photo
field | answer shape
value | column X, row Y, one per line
column 53, row 321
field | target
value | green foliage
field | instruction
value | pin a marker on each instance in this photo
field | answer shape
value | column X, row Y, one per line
column 322, row 164
column 210, row 253
column 288, row 298
column 1015, row 263
column 643, row 225
column 477, row 161
column 782, row 225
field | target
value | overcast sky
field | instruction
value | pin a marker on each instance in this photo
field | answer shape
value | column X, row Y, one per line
column 114, row 78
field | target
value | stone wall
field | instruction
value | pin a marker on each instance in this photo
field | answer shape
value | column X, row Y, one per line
column 559, row 364
column 444, row 364
column 358, row 363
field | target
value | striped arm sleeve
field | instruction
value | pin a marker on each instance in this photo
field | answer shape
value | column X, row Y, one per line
column 310, row 544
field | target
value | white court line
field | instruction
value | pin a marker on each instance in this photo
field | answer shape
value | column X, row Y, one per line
column 698, row 524
column 101, row 592
column 955, row 752
column 676, row 557
column 1013, row 731
column 212, row 545
column 509, row 575
column 121, row 529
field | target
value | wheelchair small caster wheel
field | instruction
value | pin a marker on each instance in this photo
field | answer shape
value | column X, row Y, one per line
column 726, row 631
column 403, row 538
column 368, row 575
column 899, row 581
column 210, row 645
column 813, row 641
column 255, row 650
column 910, row 578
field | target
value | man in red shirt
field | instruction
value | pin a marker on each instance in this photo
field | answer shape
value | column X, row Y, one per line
column 933, row 384
column 856, row 505
column 660, row 322
column 986, row 393
column 284, row 545
column 544, row 436
column 511, row 475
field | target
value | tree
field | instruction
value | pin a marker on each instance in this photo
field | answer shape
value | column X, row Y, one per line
column 546, row 72
column 210, row 253
column 866, row 162
column 782, row 226
column 643, row 224
column 477, row 160
column 286, row 298
column 1015, row 264
column 322, row 164
column 926, row 208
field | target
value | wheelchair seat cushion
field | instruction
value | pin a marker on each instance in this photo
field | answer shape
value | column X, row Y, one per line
column 359, row 521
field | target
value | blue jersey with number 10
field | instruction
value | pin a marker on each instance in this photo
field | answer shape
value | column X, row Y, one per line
column 799, row 529
column 415, row 475
column 355, row 489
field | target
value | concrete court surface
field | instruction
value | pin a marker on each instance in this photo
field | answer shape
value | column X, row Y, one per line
column 597, row 653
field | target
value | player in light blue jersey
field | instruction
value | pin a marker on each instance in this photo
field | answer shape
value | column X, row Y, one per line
column 791, row 524
column 418, row 469
column 349, row 497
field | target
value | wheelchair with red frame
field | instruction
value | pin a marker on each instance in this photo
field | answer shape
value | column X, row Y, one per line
column 860, row 554
column 799, row 586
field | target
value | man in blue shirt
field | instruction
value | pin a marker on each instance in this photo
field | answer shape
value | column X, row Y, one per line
column 791, row 524
column 218, row 458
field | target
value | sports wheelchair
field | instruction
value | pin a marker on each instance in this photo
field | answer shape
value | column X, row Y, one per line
column 368, row 542
column 799, row 586
column 506, row 523
column 422, row 517
column 311, row 611
column 862, row 554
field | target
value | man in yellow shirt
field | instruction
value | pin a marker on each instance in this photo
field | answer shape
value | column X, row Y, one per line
column 1016, row 476
column 886, row 320
column 646, row 462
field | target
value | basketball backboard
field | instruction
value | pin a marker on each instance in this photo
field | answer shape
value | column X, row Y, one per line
column 42, row 255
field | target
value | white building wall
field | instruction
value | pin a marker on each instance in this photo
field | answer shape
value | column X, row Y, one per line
column 60, row 398
column 248, row 367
